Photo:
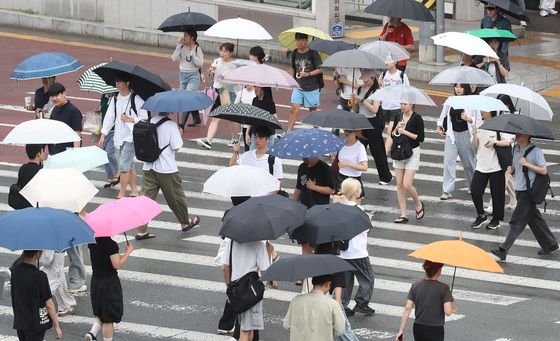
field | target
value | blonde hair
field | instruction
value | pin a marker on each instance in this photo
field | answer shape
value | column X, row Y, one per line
column 350, row 187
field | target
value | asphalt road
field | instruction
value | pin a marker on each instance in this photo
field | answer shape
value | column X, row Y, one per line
column 173, row 290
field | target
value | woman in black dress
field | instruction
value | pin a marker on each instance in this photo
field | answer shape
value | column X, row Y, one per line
column 106, row 290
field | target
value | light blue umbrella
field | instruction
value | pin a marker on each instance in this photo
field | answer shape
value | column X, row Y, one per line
column 46, row 64
column 84, row 159
column 475, row 102
column 177, row 101
column 306, row 143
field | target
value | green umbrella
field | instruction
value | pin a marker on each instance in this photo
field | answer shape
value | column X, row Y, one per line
column 90, row 81
column 489, row 33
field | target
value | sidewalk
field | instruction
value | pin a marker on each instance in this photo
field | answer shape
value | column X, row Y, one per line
column 534, row 59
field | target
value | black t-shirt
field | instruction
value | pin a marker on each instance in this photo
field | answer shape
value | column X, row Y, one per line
column 457, row 123
column 30, row 291
column 307, row 61
column 428, row 297
column 265, row 104
column 41, row 98
column 338, row 281
column 322, row 175
column 100, row 254
column 69, row 114
column 27, row 172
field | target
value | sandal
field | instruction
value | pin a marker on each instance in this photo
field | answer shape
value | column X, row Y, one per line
column 401, row 220
column 420, row 214
column 113, row 182
column 191, row 224
column 144, row 236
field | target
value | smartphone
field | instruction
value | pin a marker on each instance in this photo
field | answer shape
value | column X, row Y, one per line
column 401, row 337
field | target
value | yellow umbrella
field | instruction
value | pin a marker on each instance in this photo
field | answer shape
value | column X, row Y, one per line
column 288, row 37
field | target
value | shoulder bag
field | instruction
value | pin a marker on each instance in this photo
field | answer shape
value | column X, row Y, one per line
column 244, row 292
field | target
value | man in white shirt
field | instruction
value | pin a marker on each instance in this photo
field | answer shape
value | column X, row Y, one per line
column 163, row 174
column 123, row 112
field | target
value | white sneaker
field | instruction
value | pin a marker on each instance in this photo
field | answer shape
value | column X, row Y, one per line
column 204, row 143
column 523, row 23
column 552, row 11
column 65, row 312
column 80, row 289
column 543, row 13
column 385, row 183
column 224, row 331
column 445, row 196
column 231, row 143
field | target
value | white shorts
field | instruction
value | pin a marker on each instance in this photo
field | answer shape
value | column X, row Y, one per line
column 412, row 162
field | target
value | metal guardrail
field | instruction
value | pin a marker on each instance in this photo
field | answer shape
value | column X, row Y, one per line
column 296, row 4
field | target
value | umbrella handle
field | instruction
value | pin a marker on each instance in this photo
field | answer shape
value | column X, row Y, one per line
column 453, row 280
column 126, row 238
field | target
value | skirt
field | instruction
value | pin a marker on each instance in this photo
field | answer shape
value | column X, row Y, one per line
column 107, row 298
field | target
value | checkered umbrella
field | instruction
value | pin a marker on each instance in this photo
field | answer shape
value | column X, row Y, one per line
column 90, row 81
column 246, row 114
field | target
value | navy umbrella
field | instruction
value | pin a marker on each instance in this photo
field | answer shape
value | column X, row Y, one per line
column 519, row 124
column 303, row 143
column 177, row 101
column 46, row 64
column 187, row 21
column 291, row 269
column 330, row 46
column 339, row 119
column 406, row 9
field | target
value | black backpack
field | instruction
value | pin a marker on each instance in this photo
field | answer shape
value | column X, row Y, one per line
column 541, row 185
column 146, row 143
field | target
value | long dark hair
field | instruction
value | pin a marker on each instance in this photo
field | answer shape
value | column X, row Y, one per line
column 374, row 87
column 466, row 89
column 193, row 34
column 258, row 52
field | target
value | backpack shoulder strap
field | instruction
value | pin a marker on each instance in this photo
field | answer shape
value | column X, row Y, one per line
column 526, row 170
column 402, row 76
column 162, row 121
column 294, row 57
column 133, row 102
column 271, row 159
column 230, row 260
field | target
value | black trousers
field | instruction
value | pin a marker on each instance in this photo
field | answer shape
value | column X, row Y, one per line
column 24, row 336
column 497, row 191
column 185, row 116
column 229, row 321
column 374, row 138
column 423, row 332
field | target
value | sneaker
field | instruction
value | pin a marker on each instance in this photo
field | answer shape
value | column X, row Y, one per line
column 543, row 13
column 364, row 309
column 493, row 225
column 80, row 289
column 225, row 331
column 500, row 253
column 65, row 312
column 523, row 23
column 89, row 337
column 385, row 183
column 231, row 143
column 478, row 222
column 543, row 252
column 552, row 11
column 488, row 209
column 445, row 196
column 349, row 312
column 204, row 143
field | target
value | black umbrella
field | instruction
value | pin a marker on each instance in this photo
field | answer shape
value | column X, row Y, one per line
column 246, row 114
column 187, row 21
column 330, row 46
column 262, row 218
column 330, row 223
column 339, row 119
column 142, row 81
column 519, row 124
column 509, row 8
column 295, row 268
column 407, row 9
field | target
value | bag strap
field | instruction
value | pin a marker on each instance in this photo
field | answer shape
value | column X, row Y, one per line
column 271, row 159
column 230, row 260
column 526, row 170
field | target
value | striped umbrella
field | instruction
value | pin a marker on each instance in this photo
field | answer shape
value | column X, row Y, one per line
column 90, row 81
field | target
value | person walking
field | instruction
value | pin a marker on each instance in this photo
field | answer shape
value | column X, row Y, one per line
column 314, row 183
column 65, row 112
column 112, row 167
column 352, row 162
column 499, row 67
column 106, row 290
column 411, row 125
column 53, row 266
column 488, row 169
column 528, row 162
column 547, row 8
column 34, row 310
column 41, row 97
column 455, row 126
column 163, row 174
column 433, row 301
column 366, row 106
column 306, row 70
column 495, row 19
column 191, row 59
column 398, row 32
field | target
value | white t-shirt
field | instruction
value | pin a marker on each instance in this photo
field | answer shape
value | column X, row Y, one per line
column 486, row 158
column 390, row 80
column 222, row 69
column 246, row 257
column 250, row 159
column 347, row 90
column 245, row 96
column 357, row 246
column 123, row 130
column 168, row 133
column 355, row 154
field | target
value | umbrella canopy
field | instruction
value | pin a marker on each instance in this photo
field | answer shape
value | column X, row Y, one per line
column 41, row 131
column 330, row 46
column 332, row 222
column 295, row 268
column 143, row 82
column 354, row 59
column 466, row 43
column 246, row 114
column 288, row 37
column 340, row 119
column 46, row 64
column 241, row 181
column 526, row 101
column 83, row 159
column 475, row 102
column 262, row 218
column 489, row 33
column 43, row 229
column 509, row 8
column 303, row 143
column 519, row 124
column 463, row 75
column 383, row 49
column 177, row 101
column 66, row 189
column 261, row 75
column 122, row 215
column 187, row 21
column 407, row 9
column 90, row 81
column 238, row 28
column 403, row 94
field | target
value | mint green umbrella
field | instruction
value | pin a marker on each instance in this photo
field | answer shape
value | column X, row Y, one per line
column 490, row 33
column 84, row 159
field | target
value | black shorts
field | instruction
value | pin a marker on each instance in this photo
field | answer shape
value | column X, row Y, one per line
column 390, row 115
column 107, row 298
column 341, row 178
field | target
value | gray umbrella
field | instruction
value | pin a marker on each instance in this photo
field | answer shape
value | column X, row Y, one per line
column 403, row 94
column 339, row 119
column 463, row 75
column 519, row 124
column 354, row 59
column 294, row 268
column 330, row 46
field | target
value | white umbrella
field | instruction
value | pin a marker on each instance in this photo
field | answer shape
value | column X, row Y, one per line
column 475, row 102
column 240, row 181
column 403, row 94
column 526, row 101
column 66, row 189
column 41, row 131
column 382, row 49
column 238, row 28
column 466, row 43
column 261, row 75
column 463, row 75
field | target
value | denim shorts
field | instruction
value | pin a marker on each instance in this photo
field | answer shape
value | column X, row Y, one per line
column 125, row 155
column 308, row 99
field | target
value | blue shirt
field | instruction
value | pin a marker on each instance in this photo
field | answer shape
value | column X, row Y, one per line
column 501, row 23
column 535, row 157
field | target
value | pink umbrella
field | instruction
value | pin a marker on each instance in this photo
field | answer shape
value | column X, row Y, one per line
column 122, row 215
column 261, row 75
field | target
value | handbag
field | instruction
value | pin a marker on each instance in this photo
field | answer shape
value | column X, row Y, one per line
column 244, row 292
column 334, row 166
column 505, row 156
